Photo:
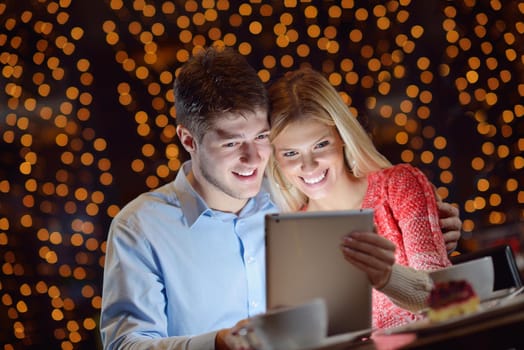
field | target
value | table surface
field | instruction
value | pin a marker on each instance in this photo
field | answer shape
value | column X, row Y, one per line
column 497, row 327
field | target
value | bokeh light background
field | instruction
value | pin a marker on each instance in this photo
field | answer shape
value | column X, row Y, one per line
column 87, row 120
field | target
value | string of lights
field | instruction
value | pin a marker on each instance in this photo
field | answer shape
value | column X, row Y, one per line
column 87, row 119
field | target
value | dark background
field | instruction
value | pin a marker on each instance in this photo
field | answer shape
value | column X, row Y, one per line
column 438, row 84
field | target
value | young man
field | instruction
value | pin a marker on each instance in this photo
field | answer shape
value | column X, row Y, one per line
column 188, row 259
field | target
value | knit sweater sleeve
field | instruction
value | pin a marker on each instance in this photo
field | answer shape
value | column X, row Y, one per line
column 408, row 288
column 413, row 204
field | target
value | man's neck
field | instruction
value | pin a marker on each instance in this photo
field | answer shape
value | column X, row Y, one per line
column 216, row 199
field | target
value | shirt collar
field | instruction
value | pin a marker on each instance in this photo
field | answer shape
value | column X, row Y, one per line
column 193, row 206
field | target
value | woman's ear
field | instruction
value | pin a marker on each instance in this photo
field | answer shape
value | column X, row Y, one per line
column 186, row 138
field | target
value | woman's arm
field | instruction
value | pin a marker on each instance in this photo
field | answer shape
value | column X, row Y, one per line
column 375, row 255
column 413, row 210
column 408, row 288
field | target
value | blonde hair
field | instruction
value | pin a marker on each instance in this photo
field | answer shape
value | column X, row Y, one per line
column 304, row 94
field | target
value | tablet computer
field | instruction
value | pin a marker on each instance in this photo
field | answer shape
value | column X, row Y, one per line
column 304, row 261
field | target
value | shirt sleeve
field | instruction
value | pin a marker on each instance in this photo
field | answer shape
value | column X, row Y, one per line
column 133, row 299
column 413, row 204
column 200, row 342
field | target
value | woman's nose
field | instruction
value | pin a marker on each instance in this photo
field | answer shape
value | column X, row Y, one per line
column 309, row 162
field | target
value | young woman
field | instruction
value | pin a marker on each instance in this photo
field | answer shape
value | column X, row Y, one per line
column 324, row 160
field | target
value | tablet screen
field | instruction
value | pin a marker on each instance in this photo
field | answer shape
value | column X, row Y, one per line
column 304, row 261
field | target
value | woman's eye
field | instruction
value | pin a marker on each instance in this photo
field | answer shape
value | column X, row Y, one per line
column 322, row 144
column 289, row 154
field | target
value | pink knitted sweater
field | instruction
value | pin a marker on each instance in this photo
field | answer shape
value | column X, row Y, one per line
column 405, row 213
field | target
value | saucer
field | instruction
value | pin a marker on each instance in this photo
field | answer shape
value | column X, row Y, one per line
column 340, row 341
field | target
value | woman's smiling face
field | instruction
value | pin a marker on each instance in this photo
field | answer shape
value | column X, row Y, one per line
column 311, row 157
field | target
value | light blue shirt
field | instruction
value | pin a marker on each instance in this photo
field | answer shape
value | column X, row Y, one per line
column 177, row 271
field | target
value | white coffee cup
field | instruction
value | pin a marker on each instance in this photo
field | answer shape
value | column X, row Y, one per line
column 478, row 272
column 290, row 328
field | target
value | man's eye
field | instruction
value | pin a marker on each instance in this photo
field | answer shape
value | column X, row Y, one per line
column 263, row 137
column 230, row 144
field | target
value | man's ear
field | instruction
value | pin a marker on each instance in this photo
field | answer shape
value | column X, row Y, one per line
column 186, row 138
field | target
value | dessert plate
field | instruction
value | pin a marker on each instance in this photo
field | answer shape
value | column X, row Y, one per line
column 503, row 293
column 495, row 297
column 514, row 301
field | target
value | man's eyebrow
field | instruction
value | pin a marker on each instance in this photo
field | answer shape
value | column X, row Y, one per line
column 224, row 134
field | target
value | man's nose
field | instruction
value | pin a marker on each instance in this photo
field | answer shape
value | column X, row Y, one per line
column 250, row 152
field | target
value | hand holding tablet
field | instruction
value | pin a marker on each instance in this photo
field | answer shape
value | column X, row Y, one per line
column 373, row 254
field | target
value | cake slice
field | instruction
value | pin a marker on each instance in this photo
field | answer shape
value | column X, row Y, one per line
column 451, row 299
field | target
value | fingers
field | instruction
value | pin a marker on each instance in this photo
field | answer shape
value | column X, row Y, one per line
column 447, row 210
column 372, row 254
column 451, row 230
column 451, row 236
column 368, row 241
column 372, row 258
column 365, row 262
column 378, row 277
column 226, row 340
column 236, row 342
column 451, row 247
column 450, row 224
column 369, row 248
column 240, row 337
column 451, row 239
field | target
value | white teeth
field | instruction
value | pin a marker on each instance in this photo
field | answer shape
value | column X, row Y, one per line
column 315, row 180
column 246, row 173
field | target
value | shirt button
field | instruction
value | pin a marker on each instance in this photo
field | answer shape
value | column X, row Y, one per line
column 254, row 304
column 250, row 260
